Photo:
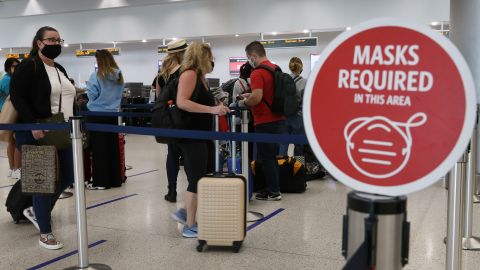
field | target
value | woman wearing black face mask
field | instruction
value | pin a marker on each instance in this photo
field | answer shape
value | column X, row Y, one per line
column 40, row 88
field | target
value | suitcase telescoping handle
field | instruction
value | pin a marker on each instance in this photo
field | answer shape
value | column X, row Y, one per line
column 217, row 146
column 233, row 151
column 233, row 144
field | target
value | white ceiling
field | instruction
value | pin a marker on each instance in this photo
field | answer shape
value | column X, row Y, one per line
column 89, row 21
column 19, row 8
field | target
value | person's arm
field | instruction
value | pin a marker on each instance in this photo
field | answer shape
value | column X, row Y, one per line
column 237, row 89
column 20, row 87
column 157, row 86
column 186, row 86
column 93, row 87
column 257, row 84
column 4, row 87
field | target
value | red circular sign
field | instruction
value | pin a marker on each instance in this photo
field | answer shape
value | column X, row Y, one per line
column 389, row 107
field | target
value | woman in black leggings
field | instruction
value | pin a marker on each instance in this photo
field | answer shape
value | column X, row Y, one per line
column 169, row 72
column 193, row 97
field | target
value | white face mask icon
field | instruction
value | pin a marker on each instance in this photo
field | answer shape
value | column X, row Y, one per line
column 379, row 147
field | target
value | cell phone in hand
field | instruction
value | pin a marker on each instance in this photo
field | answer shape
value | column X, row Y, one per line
column 240, row 97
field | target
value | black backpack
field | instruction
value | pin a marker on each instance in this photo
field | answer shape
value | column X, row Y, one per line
column 289, row 180
column 166, row 114
column 17, row 202
column 285, row 100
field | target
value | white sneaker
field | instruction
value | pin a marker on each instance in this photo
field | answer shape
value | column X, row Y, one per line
column 91, row 187
column 16, row 174
column 30, row 215
column 9, row 174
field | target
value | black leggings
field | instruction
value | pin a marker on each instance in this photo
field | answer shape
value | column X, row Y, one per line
column 198, row 160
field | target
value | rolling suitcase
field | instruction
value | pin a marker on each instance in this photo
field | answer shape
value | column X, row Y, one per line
column 121, row 145
column 17, row 202
column 222, row 208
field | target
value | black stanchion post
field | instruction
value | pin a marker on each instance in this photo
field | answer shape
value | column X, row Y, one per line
column 80, row 205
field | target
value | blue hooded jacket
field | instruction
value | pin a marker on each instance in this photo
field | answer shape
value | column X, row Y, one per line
column 104, row 95
column 4, row 89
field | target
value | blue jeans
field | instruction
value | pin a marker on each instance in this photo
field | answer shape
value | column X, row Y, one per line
column 173, row 165
column 43, row 204
column 267, row 153
column 293, row 126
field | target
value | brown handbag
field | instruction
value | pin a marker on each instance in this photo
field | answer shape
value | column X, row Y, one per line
column 7, row 116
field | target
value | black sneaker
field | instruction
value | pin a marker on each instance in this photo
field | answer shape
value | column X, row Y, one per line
column 171, row 196
column 267, row 196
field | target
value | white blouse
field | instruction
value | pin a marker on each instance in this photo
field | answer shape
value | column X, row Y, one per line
column 65, row 88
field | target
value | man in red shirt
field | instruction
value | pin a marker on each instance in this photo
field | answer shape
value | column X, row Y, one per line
column 265, row 120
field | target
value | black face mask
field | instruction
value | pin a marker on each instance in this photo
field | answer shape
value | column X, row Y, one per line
column 52, row 51
column 213, row 64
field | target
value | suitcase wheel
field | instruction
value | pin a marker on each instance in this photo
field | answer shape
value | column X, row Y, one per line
column 237, row 245
column 201, row 245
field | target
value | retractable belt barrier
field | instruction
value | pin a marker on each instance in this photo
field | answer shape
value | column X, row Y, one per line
column 27, row 127
column 138, row 106
column 116, row 114
column 163, row 132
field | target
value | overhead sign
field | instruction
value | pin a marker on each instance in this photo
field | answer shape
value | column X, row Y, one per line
column 17, row 55
column 91, row 52
column 389, row 107
column 162, row 49
column 235, row 63
column 289, row 43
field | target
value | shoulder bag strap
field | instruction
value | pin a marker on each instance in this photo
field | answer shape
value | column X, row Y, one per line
column 243, row 86
column 61, row 90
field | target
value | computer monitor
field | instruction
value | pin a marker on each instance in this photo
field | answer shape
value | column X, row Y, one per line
column 136, row 88
column 213, row 82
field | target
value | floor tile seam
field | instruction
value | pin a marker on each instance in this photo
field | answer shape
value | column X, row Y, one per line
column 113, row 197
column 297, row 254
column 141, row 173
column 135, row 232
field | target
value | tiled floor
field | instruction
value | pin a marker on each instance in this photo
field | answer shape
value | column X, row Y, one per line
column 139, row 233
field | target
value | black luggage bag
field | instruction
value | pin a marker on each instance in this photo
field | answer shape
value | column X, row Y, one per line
column 292, row 175
column 17, row 202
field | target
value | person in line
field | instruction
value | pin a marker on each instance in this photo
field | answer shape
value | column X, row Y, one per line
column 14, row 158
column 170, row 71
column 40, row 88
column 194, row 97
column 265, row 121
column 104, row 91
column 242, row 85
column 294, row 123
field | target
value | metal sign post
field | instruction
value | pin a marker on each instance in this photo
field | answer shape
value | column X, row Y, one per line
column 454, row 226
column 80, row 205
column 251, row 216
column 470, row 242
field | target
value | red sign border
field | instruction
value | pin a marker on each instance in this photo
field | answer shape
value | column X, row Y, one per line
column 460, row 146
